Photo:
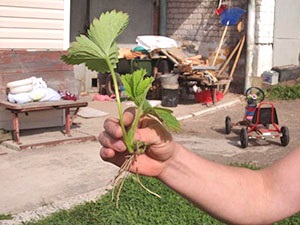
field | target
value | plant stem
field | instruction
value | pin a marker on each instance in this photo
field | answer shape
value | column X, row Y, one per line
column 126, row 137
column 134, row 125
column 116, row 87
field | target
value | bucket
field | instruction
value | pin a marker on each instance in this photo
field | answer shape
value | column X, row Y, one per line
column 205, row 96
column 169, row 81
column 169, row 97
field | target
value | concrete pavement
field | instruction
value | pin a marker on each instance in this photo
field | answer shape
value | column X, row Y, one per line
column 36, row 182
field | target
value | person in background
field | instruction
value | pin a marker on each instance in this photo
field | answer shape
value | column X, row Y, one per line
column 231, row 194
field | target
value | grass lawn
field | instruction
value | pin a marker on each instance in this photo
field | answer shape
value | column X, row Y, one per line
column 137, row 206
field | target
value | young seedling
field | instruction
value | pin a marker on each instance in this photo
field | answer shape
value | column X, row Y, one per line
column 99, row 51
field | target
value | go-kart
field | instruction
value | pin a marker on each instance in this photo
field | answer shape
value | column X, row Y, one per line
column 260, row 120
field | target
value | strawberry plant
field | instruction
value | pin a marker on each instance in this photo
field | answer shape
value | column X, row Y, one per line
column 99, row 51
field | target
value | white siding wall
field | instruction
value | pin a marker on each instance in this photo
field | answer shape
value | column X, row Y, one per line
column 33, row 24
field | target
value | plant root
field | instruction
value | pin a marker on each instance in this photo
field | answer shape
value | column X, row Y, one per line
column 119, row 180
column 147, row 189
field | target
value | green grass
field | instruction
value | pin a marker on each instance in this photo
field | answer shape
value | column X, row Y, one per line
column 138, row 207
column 6, row 217
column 283, row 92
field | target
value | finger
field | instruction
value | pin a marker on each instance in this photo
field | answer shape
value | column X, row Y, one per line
column 129, row 115
column 109, row 155
column 112, row 125
column 109, row 142
column 152, row 132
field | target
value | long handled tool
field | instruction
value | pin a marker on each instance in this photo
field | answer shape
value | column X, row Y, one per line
column 221, row 43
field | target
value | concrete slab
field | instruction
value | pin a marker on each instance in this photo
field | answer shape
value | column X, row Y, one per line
column 36, row 182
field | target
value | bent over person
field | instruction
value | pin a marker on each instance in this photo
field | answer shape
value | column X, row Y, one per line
column 231, row 194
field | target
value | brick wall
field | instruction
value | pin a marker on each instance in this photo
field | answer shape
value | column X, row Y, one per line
column 195, row 25
column 194, row 22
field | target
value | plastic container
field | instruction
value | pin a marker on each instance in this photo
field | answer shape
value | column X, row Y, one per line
column 169, row 97
column 270, row 77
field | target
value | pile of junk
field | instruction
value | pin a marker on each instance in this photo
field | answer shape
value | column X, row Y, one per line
column 177, row 73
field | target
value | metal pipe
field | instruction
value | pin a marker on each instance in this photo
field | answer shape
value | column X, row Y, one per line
column 163, row 11
column 250, row 43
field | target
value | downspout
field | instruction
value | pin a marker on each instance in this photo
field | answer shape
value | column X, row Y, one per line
column 163, row 10
column 250, row 44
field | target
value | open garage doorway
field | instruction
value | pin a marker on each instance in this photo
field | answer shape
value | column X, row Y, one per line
column 143, row 17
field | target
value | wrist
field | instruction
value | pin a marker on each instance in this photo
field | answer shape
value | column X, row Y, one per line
column 173, row 164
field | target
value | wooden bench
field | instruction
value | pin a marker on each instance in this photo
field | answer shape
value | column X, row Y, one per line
column 15, row 109
column 21, row 64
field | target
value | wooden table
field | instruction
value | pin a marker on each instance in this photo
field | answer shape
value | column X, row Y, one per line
column 15, row 109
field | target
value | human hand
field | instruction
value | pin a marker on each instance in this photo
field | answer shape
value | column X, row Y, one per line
column 150, row 131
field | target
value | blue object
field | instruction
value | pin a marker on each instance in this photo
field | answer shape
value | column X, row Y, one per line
column 140, row 49
column 123, row 95
column 232, row 16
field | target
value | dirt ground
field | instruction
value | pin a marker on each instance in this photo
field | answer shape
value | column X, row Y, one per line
column 206, row 136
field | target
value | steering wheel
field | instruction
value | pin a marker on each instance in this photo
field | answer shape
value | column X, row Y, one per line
column 255, row 94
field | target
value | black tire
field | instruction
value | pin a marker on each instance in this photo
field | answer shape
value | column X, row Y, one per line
column 255, row 90
column 285, row 136
column 244, row 138
column 109, row 84
column 227, row 125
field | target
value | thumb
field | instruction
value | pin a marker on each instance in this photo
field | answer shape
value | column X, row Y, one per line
column 152, row 132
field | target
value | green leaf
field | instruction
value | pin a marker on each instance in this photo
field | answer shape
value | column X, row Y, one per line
column 127, row 83
column 136, row 87
column 100, row 47
column 164, row 115
column 167, row 118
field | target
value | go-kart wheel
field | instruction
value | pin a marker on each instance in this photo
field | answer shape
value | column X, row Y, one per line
column 244, row 138
column 285, row 136
column 257, row 92
column 227, row 125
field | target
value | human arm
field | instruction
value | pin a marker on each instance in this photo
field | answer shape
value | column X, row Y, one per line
column 235, row 195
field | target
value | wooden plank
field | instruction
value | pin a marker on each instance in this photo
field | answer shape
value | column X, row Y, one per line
column 40, row 106
column 177, row 53
column 57, row 142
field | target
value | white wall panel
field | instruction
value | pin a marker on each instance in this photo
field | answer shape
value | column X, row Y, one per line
column 31, row 13
column 30, row 33
column 49, row 4
column 33, row 24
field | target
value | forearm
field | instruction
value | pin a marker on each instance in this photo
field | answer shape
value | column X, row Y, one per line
column 229, row 193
